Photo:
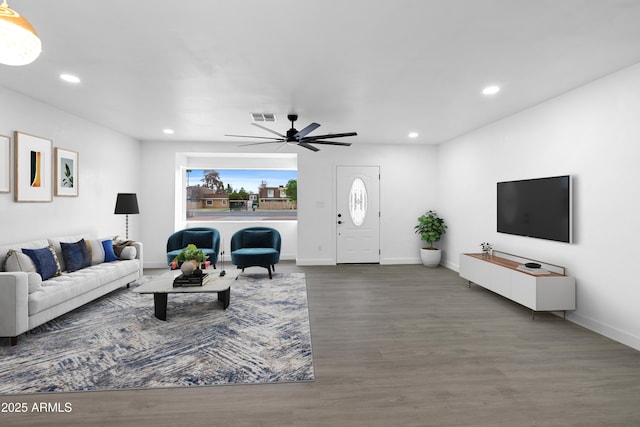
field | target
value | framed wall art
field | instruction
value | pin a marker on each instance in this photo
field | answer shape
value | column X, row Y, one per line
column 66, row 174
column 5, row 164
column 33, row 162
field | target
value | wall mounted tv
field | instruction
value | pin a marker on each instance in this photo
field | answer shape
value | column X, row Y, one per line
column 538, row 208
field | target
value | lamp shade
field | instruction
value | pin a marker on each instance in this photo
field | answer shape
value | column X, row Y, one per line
column 127, row 203
column 19, row 43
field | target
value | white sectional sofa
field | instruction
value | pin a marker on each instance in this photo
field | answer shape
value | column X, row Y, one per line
column 27, row 301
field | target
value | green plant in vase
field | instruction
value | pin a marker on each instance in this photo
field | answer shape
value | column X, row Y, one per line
column 431, row 228
column 191, row 258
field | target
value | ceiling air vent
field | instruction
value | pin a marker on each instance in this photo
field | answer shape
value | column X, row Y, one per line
column 263, row 117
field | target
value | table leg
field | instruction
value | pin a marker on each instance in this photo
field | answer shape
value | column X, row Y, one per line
column 225, row 297
column 160, row 305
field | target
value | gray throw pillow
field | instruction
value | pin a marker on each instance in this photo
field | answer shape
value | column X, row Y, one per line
column 128, row 252
column 17, row 261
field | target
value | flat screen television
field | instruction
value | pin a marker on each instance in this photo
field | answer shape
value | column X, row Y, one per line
column 538, row 208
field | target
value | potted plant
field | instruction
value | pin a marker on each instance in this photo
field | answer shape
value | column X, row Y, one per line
column 430, row 227
column 191, row 257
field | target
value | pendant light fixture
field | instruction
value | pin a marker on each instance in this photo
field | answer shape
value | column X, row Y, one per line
column 19, row 43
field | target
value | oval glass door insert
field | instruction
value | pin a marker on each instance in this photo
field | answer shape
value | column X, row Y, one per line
column 358, row 202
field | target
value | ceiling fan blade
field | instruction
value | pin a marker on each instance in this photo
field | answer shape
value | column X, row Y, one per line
column 260, row 143
column 268, row 130
column 310, row 147
column 330, row 135
column 251, row 136
column 281, row 146
column 345, row 144
column 304, row 132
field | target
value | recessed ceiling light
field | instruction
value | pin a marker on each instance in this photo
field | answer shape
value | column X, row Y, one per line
column 491, row 90
column 168, row 131
column 70, row 78
column 413, row 134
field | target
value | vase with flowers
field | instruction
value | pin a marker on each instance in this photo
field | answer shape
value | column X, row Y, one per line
column 191, row 258
column 487, row 249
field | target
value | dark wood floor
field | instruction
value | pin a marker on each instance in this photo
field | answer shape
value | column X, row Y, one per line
column 400, row 346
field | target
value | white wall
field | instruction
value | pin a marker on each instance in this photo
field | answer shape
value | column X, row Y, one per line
column 108, row 164
column 591, row 133
column 408, row 188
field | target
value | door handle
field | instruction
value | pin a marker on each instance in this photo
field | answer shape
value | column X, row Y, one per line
column 339, row 222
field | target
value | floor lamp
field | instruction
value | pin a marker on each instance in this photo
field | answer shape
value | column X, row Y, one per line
column 126, row 203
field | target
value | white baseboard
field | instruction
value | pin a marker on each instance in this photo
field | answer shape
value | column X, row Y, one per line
column 451, row 266
column 318, row 261
column 605, row 330
column 392, row 261
column 155, row 265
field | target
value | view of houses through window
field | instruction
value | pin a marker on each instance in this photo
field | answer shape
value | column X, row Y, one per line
column 233, row 195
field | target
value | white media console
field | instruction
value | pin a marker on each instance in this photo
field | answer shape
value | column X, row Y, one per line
column 539, row 290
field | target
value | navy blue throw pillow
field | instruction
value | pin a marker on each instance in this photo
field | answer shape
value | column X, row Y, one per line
column 76, row 255
column 46, row 264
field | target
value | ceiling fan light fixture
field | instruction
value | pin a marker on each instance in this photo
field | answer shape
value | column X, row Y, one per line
column 19, row 43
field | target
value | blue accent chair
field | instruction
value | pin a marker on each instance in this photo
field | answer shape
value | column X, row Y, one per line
column 256, row 247
column 205, row 238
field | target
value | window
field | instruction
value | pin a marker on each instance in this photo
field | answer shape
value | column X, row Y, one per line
column 358, row 202
column 247, row 194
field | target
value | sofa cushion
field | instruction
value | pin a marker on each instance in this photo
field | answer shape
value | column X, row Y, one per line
column 55, row 242
column 34, row 281
column 96, row 251
column 257, row 239
column 76, row 255
column 18, row 261
column 4, row 250
column 202, row 239
column 109, row 255
column 60, row 289
column 45, row 261
column 246, row 257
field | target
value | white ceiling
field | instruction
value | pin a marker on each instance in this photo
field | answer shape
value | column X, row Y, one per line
column 382, row 68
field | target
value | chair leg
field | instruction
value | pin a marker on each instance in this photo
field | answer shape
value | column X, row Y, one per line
column 14, row 341
column 269, row 270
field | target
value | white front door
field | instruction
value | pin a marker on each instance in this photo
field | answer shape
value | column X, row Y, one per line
column 358, row 214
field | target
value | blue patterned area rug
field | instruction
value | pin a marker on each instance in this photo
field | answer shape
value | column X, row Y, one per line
column 116, row 342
